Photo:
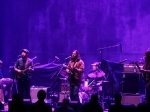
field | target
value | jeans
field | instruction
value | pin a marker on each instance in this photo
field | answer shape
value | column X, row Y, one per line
column 74, row 90
column 24, row 88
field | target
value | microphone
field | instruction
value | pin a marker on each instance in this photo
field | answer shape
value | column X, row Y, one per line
column 57, row 58
column 34, row 58
column 120, row 47
column 19, row 56
column 123, row 61
column 67, row 58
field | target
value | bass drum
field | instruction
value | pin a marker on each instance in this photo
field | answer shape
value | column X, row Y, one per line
column 83, row 97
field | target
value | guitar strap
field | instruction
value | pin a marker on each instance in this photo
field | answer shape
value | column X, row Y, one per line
column 26, row 64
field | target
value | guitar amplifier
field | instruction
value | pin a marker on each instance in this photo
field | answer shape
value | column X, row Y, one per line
column 131, row 68
column 131, row 83
column 34, row 91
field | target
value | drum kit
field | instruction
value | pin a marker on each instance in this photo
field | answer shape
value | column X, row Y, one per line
column 94, row 84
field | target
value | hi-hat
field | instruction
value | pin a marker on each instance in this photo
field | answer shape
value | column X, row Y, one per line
column 96, row 75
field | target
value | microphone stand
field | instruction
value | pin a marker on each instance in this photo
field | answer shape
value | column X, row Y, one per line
column 101, row 49
column 53, row 103
column 52, row 63
column 14, row 81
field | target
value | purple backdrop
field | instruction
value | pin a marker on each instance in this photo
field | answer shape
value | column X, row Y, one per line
column 56, row 27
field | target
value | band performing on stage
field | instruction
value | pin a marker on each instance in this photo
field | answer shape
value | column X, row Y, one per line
column 81, row 86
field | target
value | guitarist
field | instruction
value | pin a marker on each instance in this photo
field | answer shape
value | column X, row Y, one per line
column 24, row 79
column 75, row 70
column 146, row 72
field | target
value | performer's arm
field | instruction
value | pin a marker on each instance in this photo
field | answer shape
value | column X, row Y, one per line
column 145, row 71
column 15, row 67
column 31, row 67
column 81, row 67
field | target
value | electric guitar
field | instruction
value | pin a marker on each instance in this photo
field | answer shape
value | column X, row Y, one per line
column 23, row 72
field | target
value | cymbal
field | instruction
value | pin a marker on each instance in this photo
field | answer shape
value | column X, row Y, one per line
column 98, row 74
column 96, row 64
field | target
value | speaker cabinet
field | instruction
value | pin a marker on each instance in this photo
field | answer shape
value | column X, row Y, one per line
column 130, row 99
column 63, row 95
column 34, row 91
column 131, row 83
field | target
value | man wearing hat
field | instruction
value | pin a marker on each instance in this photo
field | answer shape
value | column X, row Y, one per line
column 96, row 72
column 23, row 68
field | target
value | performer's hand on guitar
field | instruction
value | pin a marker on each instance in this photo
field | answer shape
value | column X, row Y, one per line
column 68, row 71
column 145, row 71
column 30, row 68
column 19, row 71
column 142, row 70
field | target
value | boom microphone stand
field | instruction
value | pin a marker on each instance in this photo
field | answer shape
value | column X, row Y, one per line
column 101, row 49
column 105, row 78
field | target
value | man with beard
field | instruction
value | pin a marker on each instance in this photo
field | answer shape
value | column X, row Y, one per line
column 75, row 70
column 23, row 68
column 146, row 72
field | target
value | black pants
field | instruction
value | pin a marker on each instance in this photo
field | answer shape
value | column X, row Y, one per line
column 74, row 90
column 24, row 88
column 147, row 89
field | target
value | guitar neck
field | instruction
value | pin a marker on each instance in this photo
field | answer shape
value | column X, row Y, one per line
column 137, row 65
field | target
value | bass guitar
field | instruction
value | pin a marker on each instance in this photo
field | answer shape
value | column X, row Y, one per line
column 23, row 72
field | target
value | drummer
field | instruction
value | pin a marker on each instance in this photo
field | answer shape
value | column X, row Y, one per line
column 96, row 72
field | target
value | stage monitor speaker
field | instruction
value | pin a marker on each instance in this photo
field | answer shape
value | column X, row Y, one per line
column 74, row 105
column 130, row 99
column 131, row 83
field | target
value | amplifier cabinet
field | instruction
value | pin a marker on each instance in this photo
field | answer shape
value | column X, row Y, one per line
column 130, row 99
column 63, row 95
column 131, row 68
column 131, row 83
column 34, row 91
